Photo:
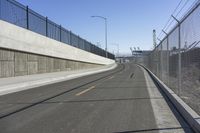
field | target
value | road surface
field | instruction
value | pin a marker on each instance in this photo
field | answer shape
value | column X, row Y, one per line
column 121, row 100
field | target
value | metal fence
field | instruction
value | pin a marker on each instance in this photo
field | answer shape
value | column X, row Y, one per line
column 20, row 15
column 176, row 60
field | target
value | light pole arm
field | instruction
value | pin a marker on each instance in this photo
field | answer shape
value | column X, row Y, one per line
column 99, row 17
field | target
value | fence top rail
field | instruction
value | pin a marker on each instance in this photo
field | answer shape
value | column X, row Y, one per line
column 16, row 3
column 36, row 14
column 65, row 30
column 53, row 23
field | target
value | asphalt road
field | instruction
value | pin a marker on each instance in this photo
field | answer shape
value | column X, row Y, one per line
column 113, row 101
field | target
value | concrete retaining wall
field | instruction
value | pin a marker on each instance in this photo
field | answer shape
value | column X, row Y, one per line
column 23, row 52
column 14, row 63
column 20, row 39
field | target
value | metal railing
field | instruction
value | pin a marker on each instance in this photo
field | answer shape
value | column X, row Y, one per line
column 13, row 12
column 176, row 60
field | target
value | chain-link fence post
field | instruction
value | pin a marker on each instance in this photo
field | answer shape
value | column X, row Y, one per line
column 70, row 38
column 179, row 61
column 27, row 17
column 167, row 59
column 60, row 33
column 46, row 26
column 179, row 55
column 0, row 8
column 161, row 60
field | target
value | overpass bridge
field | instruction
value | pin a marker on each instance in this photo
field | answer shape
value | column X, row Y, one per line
column 53, row 81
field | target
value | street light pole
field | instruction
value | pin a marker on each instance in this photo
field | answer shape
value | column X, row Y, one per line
column 106, row 37
column 105, row 19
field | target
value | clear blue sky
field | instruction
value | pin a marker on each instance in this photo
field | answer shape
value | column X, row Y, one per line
column 130, row 22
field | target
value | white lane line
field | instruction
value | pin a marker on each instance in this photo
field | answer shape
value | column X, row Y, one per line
column 84, row 91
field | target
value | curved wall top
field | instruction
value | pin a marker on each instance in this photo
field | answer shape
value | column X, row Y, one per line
column 17, row 38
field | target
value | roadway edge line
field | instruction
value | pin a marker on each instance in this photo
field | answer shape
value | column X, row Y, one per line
column 190, row 116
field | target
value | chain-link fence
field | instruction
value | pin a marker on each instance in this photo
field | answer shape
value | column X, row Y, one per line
column 176, row 60
column 20, row 15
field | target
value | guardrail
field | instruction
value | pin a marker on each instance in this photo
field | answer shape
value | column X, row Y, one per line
column 13, row 12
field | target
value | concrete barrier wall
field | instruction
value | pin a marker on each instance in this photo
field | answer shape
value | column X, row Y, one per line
column 20, row 39
column 14, row 63
column 23, row 52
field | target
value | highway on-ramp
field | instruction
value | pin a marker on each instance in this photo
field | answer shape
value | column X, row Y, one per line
column 121, row 100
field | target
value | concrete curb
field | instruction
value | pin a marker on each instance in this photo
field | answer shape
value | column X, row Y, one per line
column 6, row 89
column 192, row 118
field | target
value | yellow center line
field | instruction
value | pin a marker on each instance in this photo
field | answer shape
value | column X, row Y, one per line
column 90, row 88
column 84, row 91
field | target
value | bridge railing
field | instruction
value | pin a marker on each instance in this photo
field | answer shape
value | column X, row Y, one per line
column 176, row 60
column 20, row 15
